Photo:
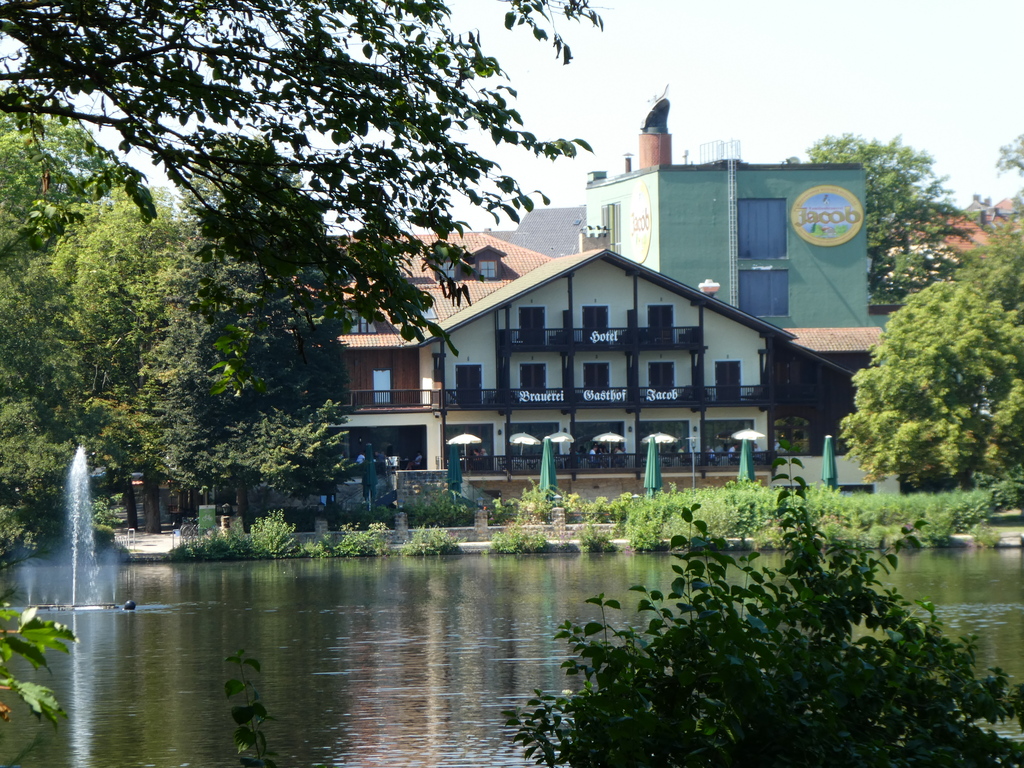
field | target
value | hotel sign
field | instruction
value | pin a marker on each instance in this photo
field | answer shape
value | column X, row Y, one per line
column 604, row 337
column 827, row 215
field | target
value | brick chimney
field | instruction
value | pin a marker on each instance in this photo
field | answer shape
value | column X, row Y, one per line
column 655, row 149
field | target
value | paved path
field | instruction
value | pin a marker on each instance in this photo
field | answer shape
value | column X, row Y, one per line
column 151, row 546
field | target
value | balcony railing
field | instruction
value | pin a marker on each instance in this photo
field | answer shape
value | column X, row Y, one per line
column 539, row 338
column 364, row 399
column 607, row 463
column 735, row 393
column 594, row 338
column 647, row 397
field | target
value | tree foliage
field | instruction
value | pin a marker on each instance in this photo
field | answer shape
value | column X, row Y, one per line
column 113, row 265
column 318, row 134
column 907, row 211
column 29, row 639
column 944, row 396
column 281, row 435
column 996, row 270
column 812, row 663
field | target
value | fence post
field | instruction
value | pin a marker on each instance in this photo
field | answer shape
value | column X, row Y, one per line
column 480, row 523
column 558, row 522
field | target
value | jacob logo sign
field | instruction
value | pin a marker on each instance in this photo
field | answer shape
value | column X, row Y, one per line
column 640, row 222
column 827, row 215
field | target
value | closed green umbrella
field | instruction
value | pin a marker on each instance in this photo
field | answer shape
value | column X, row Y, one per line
column 652, row 477
column 829, row 471
column 746, row 462
column 548, row 477
column 369, row 476
column 454, row 469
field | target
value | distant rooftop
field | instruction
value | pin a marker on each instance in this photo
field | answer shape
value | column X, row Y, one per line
column 824, row 340
column 552, row 231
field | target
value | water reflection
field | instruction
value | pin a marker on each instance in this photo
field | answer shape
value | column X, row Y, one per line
column 384, row 662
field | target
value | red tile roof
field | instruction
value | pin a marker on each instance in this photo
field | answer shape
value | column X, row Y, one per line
column 837, row 339
column 515, row 262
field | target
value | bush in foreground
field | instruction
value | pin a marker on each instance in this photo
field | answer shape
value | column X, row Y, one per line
column 431, row 541
column 516, row 540
column 814, row 663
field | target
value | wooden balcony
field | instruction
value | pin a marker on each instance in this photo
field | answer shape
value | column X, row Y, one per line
column 604, row 397
column 736, row 394
column 394, row 399
column 557, row 339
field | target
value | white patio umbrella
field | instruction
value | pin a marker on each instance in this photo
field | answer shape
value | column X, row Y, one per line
column 464, row 439
column 747, row 434
column 521, row 439
column 660, row 438
column 609, row 437
column 561, row 437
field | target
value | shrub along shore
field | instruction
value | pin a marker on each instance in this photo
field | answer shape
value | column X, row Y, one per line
column 741, row 511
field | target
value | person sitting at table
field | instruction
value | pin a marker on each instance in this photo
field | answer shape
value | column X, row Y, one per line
column 416, row 462
column 620, row 460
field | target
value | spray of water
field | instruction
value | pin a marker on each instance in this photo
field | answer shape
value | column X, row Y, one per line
column 79, row 522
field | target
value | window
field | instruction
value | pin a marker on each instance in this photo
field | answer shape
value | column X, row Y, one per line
column 596, row 375
column 362, row 325
column 533, row 376
column 727, row 379
column 762, row 228
column 488, row 269
column 539, row 429
column 661, row 375
column 531, row 325
column 611, row 222
column 382, row 385
column 484, row 431
column 718, row 434
column 765, row 293
column 595, row 318
column 660, row 319
column 468, row 383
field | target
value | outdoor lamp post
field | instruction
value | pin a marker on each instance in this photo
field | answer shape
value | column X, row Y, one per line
column 692, row 440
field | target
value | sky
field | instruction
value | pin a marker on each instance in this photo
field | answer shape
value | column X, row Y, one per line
column 776, row 76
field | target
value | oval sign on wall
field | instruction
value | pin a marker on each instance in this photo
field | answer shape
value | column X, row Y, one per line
column 827, row 215
column 640, row 222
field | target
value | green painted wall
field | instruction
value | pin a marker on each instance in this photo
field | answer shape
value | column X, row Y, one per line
column 689, row 234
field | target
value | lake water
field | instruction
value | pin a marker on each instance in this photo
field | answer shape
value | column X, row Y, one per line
column 385, row 662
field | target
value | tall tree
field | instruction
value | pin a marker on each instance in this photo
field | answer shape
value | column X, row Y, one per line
column 40, row 400
column 112, row 265
column 317, row 134
column 996, row 270
column 281, row 436
column 40, row 415
column 944, row 396
column 908, row 214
